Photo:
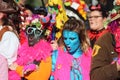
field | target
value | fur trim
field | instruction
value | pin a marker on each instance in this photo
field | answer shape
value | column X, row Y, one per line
column 27, row 55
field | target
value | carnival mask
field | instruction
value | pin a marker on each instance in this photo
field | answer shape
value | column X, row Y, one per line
column 33, row 34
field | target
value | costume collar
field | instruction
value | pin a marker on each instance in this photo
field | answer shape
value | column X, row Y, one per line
column 96, row 32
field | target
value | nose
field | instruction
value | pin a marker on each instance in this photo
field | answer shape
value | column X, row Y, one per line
column 67, row 42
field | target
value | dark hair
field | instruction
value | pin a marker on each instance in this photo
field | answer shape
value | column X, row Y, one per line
column 99, row 7
column 77, row 26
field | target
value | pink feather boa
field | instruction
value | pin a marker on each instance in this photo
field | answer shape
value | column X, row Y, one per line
column 27, row 55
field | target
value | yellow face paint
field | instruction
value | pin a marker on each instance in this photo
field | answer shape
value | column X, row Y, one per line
column 95, row 50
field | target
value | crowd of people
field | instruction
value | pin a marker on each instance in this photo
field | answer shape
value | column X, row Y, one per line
column 30, row 49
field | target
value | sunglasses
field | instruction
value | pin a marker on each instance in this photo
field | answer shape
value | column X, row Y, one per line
column 32, row 30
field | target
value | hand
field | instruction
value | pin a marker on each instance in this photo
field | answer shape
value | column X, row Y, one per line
column 54, row 45
column 13, row 66
column 29, row 68
column 118, row 64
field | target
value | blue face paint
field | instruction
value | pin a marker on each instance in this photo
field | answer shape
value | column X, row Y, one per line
column 72, row 42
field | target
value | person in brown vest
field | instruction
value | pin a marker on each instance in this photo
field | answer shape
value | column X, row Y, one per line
column 106, row 52
column 96, row 18
column 9, row 42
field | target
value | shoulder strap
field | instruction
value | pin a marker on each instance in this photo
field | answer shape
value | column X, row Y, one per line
column 2, row 31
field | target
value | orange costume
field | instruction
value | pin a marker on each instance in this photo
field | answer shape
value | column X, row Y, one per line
column 42, row 73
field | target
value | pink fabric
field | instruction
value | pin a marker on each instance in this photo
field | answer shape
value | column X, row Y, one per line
column 117, row 40
column 30, row 67
column 3, row 68
column 63, row 65
column 39, row 51
column 85, row 64
column 27, row 55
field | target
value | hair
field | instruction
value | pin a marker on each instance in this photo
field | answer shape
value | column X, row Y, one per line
column 12, row 18
column 100, row 8
column 107, row 3
column 77, row 26
column 7, row 21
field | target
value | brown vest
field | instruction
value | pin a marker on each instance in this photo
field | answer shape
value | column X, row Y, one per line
column 2, row 31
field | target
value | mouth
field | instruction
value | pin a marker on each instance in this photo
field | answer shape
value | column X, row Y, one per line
column 30, row 38
column 68, row 48
column 91, row 22
column 31, row 44
column 31, row 41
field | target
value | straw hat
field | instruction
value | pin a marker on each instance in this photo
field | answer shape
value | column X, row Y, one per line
column 6, row 8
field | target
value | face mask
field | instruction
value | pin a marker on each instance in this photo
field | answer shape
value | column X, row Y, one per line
column 72, row 41
column 33, row 34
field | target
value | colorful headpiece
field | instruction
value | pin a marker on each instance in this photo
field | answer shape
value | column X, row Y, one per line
column 115, row 13
column 114, row 17
column 95, row 7
column 99, row 7
column 79, row 5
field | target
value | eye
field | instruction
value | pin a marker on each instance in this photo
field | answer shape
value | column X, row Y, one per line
column 64, row 38
column 38, row 32
column 30, row 30
column 97, row 16
column 72, row 38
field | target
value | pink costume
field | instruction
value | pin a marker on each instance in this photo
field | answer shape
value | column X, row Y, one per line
column 3, row 68
column 26, row 54
column 63, row 65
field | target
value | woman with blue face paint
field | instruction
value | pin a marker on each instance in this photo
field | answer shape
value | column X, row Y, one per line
column 71, row 61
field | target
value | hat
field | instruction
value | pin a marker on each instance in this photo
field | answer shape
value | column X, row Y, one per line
column 6, row 8
column 115, row 13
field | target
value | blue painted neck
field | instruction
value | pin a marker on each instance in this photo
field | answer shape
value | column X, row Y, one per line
column 77, row 54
